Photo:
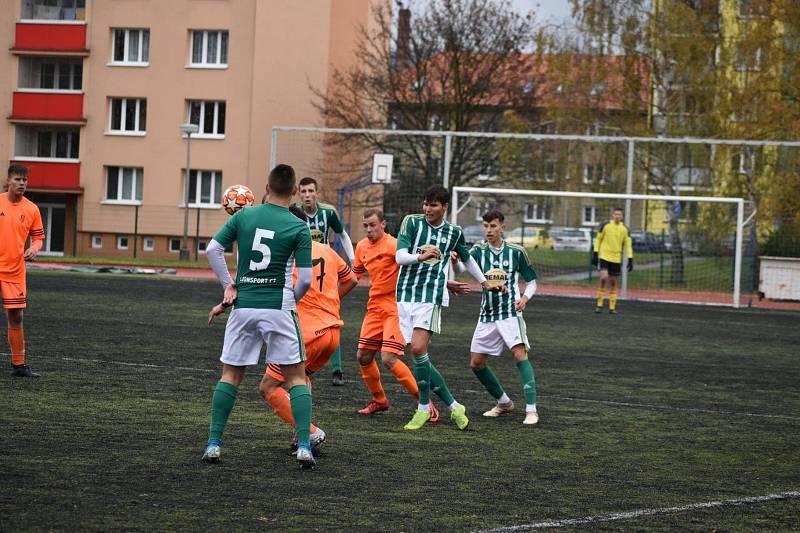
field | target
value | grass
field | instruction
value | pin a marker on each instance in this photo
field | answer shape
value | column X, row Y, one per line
column 129, row 261
column 650, row 408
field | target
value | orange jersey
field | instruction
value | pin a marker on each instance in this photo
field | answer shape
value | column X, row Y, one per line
column 17, row 222
column 377, row 260
column 319, row 308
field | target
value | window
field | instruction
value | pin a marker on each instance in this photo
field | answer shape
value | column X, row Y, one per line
column 488, row 170
column 124, row 184
column 175, row 245
column 589, row 216
column 548, row 171
column 480, row 209
column 201, row 246
column 97, row 241
column 538, row 212
column 751, row 8
column 54, row 9
column 209, row 117
column 148, row 244
column 131, row 47
column 62, row 144
column 594, row 174
column 128, row 116
column 209, row 49
column 50, row 73
column 122, row 242
column 597, row 89
column 748, row 60
column 205, row 188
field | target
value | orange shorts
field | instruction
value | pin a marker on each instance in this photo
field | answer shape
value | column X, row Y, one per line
column 380, row 332
column 318, row 351
column 14, row 296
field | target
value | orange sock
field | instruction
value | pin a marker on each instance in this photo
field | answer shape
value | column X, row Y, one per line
column 16, row 339
column 279, row 401
column 372, row 377
column 405, row 377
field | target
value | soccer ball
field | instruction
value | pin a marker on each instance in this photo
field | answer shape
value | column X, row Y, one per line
column 236, row 197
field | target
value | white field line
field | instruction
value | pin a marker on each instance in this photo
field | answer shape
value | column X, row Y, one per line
column 568, row 522
column 390, row 385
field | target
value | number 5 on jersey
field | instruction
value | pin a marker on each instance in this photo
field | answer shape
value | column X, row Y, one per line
column 259, row 246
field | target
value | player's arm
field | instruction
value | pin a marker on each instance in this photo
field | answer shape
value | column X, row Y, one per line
column 215, row 253
column 303, row 263
column 358, row 266
column 629, row 249
column 597, row 242
column 37, row 237
column 347, row 279
column 338, row 230
column 529, row 275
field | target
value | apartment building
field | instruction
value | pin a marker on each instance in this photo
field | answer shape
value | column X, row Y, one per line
column 96, row 91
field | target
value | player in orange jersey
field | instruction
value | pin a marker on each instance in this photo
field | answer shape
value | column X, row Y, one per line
column 19, row 219
column 380, row 331
column 320, row 323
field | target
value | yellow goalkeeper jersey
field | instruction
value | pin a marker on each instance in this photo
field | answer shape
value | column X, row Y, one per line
column 610, row 240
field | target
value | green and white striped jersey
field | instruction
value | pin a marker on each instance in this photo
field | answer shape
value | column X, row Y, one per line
column 324, row 218
column 502, row 267
column 427, row 282
column 271, row 240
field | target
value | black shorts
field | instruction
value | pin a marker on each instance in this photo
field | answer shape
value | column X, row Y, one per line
column 613, row 268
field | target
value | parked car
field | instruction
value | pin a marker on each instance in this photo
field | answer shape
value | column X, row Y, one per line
column 473, row 234
column 645, row 241
column 536, row 238
column 572, row 239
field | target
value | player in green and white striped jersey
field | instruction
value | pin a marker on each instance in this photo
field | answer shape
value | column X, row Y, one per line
column 271, row 242
column 422, row 243
column 322, row 220
column 500, row 321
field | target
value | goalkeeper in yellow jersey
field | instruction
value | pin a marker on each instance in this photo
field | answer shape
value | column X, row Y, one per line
column 607, row 257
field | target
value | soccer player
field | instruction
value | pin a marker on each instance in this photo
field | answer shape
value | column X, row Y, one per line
column 19, row 219
column 380, row 331
column 322, row 220
column 422, row 243
column 608, row 244
column 270, row 240
column 500, row 321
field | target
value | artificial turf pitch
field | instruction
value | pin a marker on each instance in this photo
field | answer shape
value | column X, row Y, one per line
column 659, row 406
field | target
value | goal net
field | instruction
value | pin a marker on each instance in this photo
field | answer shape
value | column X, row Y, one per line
column 691, row 249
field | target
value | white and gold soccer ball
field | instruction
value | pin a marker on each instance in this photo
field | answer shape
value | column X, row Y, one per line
column 237, row 197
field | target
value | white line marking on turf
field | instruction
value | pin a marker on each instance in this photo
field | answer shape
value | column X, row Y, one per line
column 644, row 512
column 566, row 398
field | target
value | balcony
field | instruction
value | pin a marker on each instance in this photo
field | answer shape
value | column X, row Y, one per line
column 50, row 38
column 52, row 175
column 47, row 107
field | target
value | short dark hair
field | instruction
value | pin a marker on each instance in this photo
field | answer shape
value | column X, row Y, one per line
column 493, row 214
column 618, row 209
column 437, row 193
column 281, row 180
column 308, row 181
column 19, row 170
column 298, row 212
column 372, row 211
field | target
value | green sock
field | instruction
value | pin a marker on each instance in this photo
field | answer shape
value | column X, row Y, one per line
column 336, row 359
column 422, row 373
column 439, row 386
column 528, row 381
column 221, row 405
column 300, row 399
column 489, row 380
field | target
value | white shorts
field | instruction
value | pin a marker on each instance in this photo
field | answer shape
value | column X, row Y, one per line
column 248, row 330
column 419, row 315
column 489, row 337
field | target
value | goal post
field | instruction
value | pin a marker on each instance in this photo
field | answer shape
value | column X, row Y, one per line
column 514, row 201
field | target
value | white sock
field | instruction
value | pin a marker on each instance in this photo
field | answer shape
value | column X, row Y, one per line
column 530, row 408
column 453, row 405
column 504, row 398
column 426, row 407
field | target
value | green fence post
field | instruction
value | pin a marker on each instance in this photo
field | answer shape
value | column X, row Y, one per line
column 661, row 250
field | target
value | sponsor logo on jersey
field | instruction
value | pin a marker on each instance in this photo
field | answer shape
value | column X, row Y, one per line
column 259, row 281
column 424, row 248
column 316, row 235
column 496, row 277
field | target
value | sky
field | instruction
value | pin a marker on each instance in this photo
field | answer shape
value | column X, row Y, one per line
column 555, row 11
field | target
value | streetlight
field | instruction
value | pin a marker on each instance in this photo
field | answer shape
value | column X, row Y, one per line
column 187, row 129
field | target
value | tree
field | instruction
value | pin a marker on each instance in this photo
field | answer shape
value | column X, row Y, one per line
column 457, row 66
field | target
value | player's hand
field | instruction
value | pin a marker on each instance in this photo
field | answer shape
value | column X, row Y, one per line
column 230, row 294
column 30, row 254
column 521, row 303
column 594, row 259
column 431, row 253
column 454, row 257
column 502, row 289
column 216, row 310
column 458, row 287
column 630, row 264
